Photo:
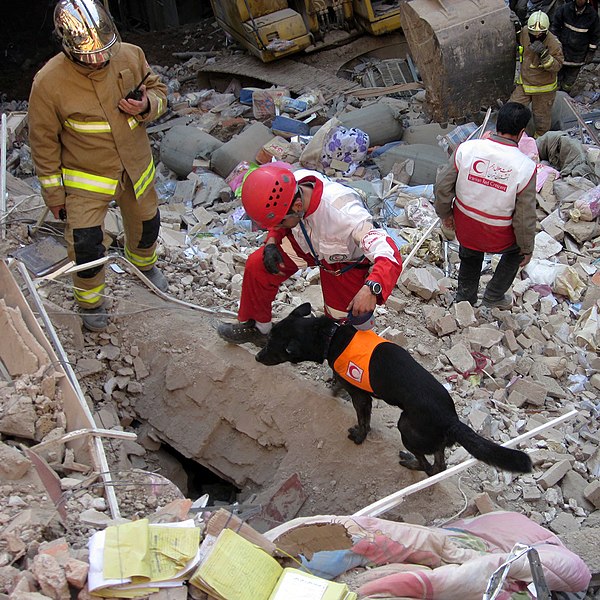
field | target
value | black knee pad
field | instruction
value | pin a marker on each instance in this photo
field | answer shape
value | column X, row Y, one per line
column 88, row 245
column 150, row 231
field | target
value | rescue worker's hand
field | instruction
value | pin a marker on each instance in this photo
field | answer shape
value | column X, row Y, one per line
column 364, row 302
column 538, row 47
column 272, row 259
column 448, row 223
column 525, row 261
column 589, row 57
column 59, row 212
column 135, row 107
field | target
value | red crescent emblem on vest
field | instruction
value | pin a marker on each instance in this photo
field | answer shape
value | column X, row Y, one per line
column 476, row 166
column 354, row 371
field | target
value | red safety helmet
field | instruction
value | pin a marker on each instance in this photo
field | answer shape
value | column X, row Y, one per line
column 267, row 195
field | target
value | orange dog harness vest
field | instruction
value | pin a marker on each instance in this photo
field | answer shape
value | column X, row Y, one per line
column 353, row 363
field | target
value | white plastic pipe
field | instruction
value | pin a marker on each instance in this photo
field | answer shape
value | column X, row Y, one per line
column 385, row 504
column 3, row 136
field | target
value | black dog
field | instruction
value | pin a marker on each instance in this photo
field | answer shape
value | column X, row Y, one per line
column 428, row 424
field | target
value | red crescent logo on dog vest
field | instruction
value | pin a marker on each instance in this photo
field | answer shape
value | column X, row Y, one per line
column 353, row 363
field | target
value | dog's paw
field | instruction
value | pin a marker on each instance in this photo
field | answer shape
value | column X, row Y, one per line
column 409, row 461
column 357, row 435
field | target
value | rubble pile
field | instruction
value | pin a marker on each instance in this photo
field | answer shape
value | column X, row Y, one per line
column 508, row 371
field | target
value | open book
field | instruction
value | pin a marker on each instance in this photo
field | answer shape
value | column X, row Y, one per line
column 232, row 568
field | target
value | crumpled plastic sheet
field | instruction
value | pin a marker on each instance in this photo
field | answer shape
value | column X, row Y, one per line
column 562, row 279
column 587, row 329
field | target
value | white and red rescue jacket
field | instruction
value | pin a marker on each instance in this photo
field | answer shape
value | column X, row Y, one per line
column 341, row 230
column 488, row 176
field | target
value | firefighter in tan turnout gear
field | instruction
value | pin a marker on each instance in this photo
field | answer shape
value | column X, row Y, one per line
column 540, row 60
column 87, row 116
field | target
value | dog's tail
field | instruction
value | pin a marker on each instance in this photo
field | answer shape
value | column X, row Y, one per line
column 489, row 452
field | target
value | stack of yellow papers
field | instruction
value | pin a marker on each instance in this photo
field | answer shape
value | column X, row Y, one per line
column 136, row 559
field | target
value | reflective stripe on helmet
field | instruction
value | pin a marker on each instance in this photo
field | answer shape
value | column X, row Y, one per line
column 86, row 31
column 538, row 22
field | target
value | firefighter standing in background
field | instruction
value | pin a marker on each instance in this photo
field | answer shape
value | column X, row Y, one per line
column 90, row 147
column 577, row 26
column 540, row 59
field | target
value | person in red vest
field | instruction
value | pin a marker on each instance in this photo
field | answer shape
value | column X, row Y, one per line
column 486, row 193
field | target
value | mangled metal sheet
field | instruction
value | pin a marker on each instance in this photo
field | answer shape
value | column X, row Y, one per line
column 465, row 53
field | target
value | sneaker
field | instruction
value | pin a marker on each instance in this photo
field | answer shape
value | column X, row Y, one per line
column 240, row 333
column 504, row 302
column 94, row 319
column 156, row 277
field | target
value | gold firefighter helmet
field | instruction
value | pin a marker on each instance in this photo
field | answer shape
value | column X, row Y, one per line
column 86, row 31
column 538, row 22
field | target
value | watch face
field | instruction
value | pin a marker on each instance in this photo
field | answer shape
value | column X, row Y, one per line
column 374, row 286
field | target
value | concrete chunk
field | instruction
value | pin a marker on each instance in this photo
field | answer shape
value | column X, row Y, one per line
column 421, row 282
column 484, row 336
column 554, row 474
column 464, row 314
column 460, row 357
column 534, row 392
column 592, row 493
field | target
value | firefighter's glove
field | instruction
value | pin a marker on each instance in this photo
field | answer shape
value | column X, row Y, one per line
column 514, row 19
column 589, row 57
column 539, row 48
column 272, row 259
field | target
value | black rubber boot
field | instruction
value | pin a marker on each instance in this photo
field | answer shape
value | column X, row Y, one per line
column 94, row 319
column 240, row 333
column 156, row 276
column 495, row 292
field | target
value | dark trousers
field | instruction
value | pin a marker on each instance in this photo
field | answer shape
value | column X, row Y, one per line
column 470, row 271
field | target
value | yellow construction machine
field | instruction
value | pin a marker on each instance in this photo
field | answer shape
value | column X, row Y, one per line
column 463, row 49
column 271, row 29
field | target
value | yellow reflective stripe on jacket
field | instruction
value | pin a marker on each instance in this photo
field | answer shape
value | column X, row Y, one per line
column 50, row 181
column 540, row 89
column 89, row 296
column 86, row 181
column 89, row 126
column 133, row 123
column 145, row 180
column 140, row 261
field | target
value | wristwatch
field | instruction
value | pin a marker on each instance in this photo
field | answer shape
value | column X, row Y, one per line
column 374, row 286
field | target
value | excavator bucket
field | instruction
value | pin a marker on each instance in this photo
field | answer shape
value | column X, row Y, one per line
column 465, row 53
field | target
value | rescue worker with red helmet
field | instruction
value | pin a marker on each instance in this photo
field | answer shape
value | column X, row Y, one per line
column 90, row 147
column 325, row 224
column 540, row 60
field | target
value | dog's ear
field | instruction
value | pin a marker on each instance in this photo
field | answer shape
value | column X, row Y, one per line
column 302, row 311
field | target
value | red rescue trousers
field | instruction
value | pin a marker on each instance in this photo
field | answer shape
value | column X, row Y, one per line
column 260, row 287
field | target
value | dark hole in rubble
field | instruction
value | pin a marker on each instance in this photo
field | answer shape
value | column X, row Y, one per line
column 201, row 480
